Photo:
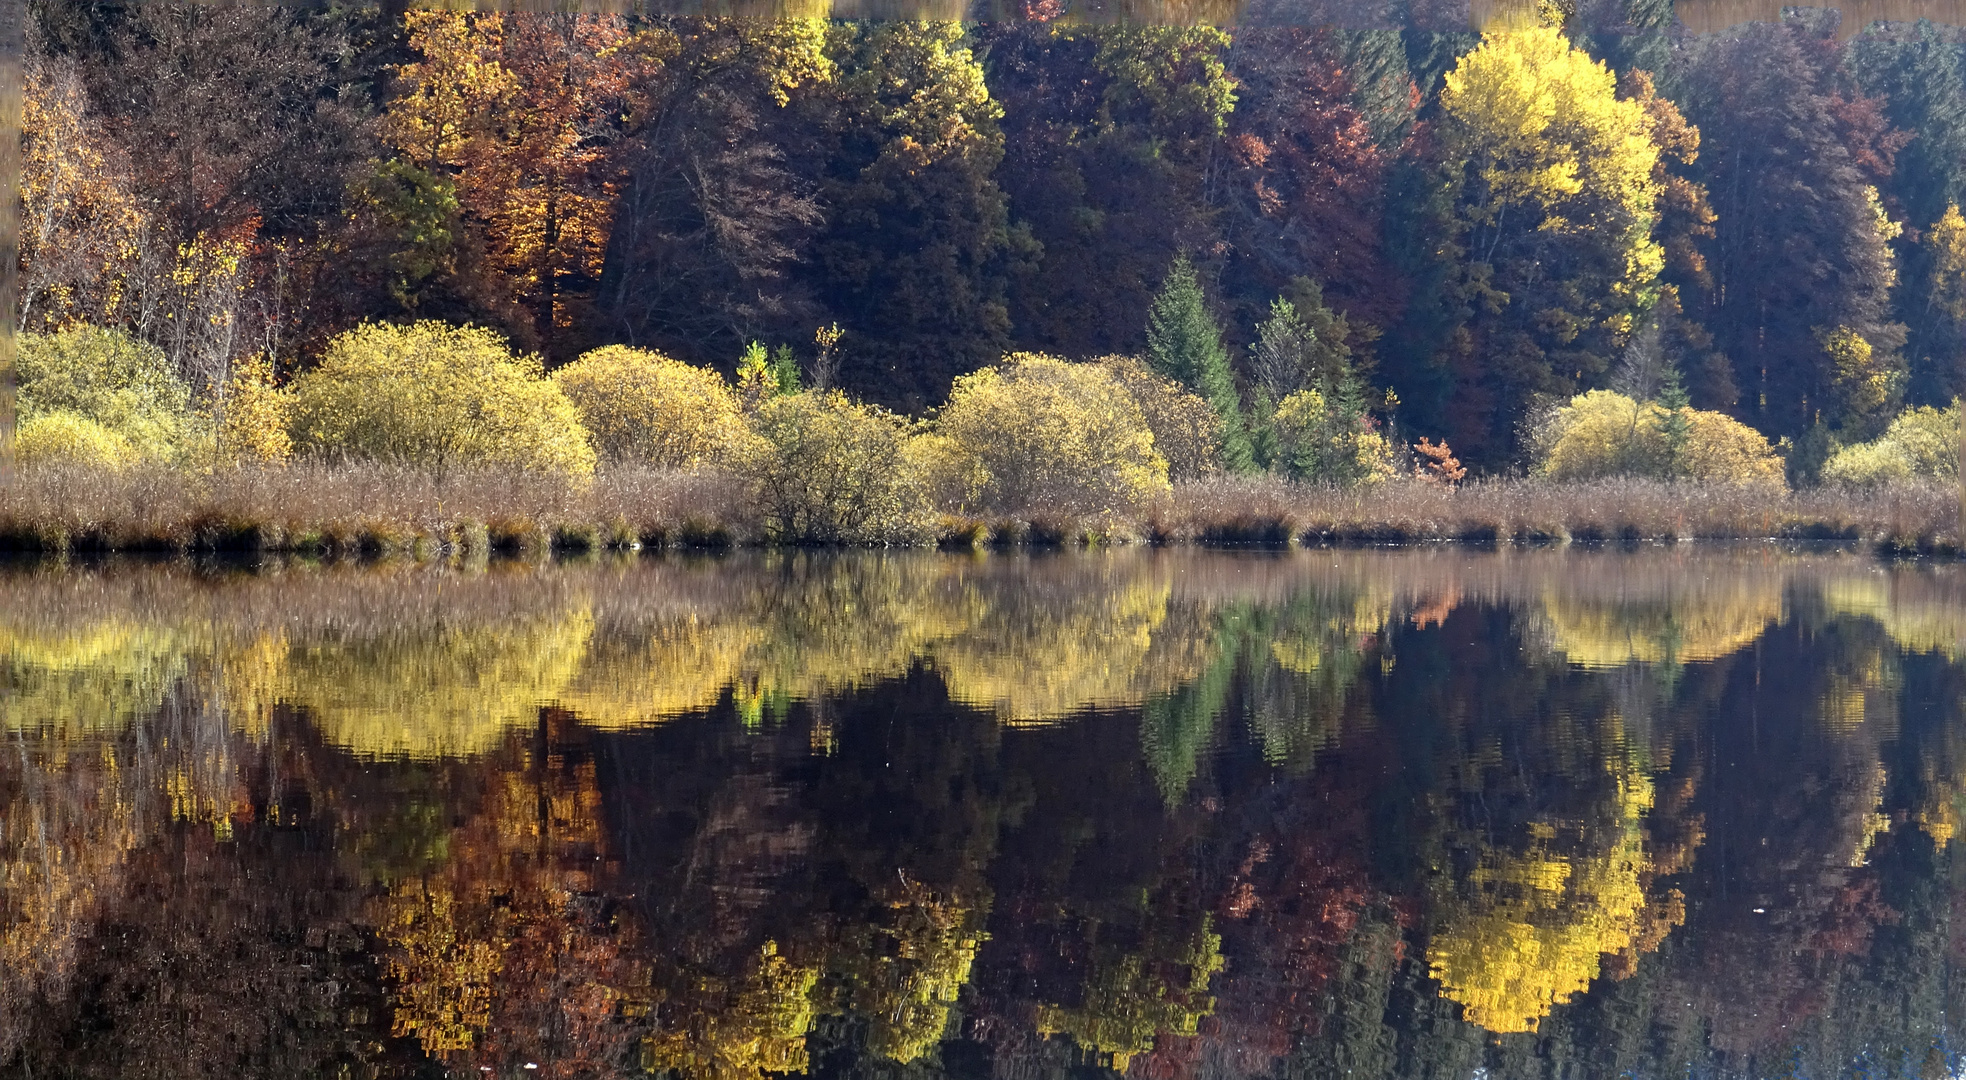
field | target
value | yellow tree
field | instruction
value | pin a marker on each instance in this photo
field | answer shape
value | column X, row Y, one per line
column 80, row 226
column 520, row 113
column 1556, row 187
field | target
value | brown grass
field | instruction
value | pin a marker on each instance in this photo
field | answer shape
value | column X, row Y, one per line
column 344, row 510
column 1910, row 518
column 383, row 510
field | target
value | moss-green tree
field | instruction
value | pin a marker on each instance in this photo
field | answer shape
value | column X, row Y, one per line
column 106, row 376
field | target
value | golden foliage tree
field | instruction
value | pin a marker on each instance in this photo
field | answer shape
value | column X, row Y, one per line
column 1604, row 433
column 830, row 470
column 1552, row 169
column 107, row 376
column 81, row 225
column 1326, row 441
column 520, row 110
column 66, row 438
column 253, row 415
column 1921, row 444
column 1186, row 429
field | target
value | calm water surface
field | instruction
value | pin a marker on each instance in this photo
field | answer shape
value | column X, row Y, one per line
column 1187, row 814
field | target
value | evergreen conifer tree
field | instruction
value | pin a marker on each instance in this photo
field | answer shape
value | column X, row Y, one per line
column 1184, row 343
column 1678, row 426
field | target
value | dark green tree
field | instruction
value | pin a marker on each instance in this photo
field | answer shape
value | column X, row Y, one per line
column 1184, row 343
column 1801, row 260
column 1110, row 134
column 1919, row 74
column 918, row 250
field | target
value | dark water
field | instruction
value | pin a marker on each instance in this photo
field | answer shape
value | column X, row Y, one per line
column 1654, row 814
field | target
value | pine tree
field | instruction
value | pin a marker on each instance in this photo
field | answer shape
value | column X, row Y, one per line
column 1184, row 343
column 1678, row 426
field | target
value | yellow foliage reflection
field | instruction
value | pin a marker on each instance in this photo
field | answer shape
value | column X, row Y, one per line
column 1095, row 644
column 1530, row 927
column 443, row 967
column 738, row 1031
column 1134, row 996
column 905, row 974
column 433, row 693
column 87, row 680
column 1688, row 628
column 1919, row 621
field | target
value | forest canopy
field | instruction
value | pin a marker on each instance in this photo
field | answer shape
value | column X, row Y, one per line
column 1433, row 233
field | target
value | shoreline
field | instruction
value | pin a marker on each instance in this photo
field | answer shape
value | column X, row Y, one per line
column 366, row 512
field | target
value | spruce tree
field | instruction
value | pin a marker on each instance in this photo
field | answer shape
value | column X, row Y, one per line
column 1678, row 426
column 1185, row 344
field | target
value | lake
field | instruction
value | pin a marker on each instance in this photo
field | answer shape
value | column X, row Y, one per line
column 1680, row 811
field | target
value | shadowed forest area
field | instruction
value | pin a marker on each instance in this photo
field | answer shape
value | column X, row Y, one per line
column 1277, row 815
column 891, row 279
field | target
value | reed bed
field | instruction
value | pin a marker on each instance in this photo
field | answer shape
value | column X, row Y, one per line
column 362, row 510
column 1911, row 518
column 372, row 510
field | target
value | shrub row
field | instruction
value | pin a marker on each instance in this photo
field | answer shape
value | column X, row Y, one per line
column 1032, row 447
column 1083, row 439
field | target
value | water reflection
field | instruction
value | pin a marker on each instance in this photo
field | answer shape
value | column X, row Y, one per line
column 1164, row 814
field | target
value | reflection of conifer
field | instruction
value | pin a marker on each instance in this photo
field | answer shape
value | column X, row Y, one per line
column 1175, row 728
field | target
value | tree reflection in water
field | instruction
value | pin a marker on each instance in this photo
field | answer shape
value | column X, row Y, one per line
column 1296, row 814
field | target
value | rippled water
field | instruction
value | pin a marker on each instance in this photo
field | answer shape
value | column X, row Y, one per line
column 1174, row 814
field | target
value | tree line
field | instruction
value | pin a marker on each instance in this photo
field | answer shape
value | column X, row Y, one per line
column 1472, row 228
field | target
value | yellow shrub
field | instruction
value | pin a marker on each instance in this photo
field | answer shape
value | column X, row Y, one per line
column 1040, row 433
column 1721, row 449
column 1921, row 443
column 829, row 470
column 1315, row 442
column 643, row 407
column 68, row 439
column 1867, row 465
column 253, row 426
column 123, row 384
column 438, row 395
column 1186, row 429
column 1603, row 433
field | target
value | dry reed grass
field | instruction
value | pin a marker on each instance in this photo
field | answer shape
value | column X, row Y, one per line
column 1920, row 518
column 362, row 509
column 383, row 510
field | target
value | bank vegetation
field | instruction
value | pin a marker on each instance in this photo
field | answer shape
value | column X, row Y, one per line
column 431, row 438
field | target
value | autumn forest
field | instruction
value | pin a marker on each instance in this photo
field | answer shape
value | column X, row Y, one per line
column 1749, row 241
